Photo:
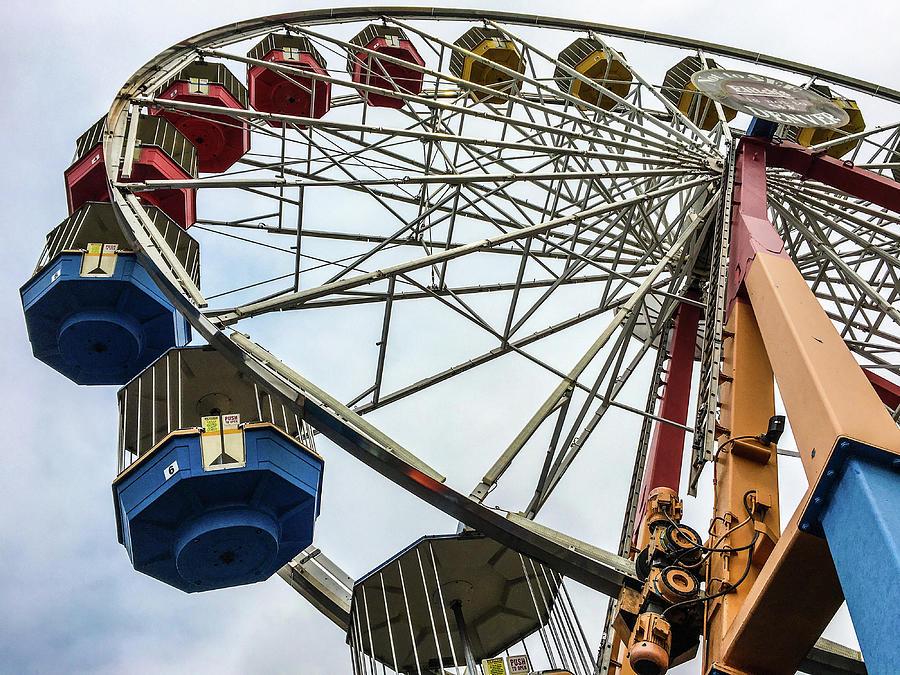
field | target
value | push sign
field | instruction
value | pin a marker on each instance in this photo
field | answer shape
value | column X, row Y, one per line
column 769, row 99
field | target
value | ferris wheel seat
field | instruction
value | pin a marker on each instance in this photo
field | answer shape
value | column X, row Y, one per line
column 100, row 329
column 813, row 136
column 199, row 527
column 499, row 596
column 365, row 68
column 86, row 182
column 179, row 204
column 289, row 93
column 590, row 58
column 491, row 45
column 220, row 140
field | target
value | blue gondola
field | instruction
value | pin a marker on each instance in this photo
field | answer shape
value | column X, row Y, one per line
column 222, row 489
column 92, row 312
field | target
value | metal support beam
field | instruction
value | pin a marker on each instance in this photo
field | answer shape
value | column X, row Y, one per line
column 887, row 391
column 837, row 173
column 322, row 583
column 798, row 581
column 745, row 510
column 663, row 465
column 862, row 525
column 831, row 658
column 499, row 467
column 845, row 437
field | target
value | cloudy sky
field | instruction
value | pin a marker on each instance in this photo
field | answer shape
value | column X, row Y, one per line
column 70, row 600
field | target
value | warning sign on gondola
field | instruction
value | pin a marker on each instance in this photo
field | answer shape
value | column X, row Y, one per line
column 222, row 442
column 769, row 99
column 518, row 665
column 99, row 260
column 494, row 666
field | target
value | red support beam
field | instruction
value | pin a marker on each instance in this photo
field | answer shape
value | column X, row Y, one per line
column 751, row 231
column 837, row 173
column 663, row 466
column 887, row 391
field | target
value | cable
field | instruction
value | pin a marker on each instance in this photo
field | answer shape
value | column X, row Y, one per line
column 713, row 549
column 728, row 587
column 739, row 438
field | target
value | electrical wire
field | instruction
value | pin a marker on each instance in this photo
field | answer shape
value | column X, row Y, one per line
column 712, row 549
column 739, row 438
column 728, row 587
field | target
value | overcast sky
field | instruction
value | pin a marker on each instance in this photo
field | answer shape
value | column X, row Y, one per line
column 70, row 600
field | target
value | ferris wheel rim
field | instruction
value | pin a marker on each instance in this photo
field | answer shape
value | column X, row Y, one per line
column 347, row 14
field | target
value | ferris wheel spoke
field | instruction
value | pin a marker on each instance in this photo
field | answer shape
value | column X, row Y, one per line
column 320, row 124
column 616, row 188
column 230, row 316
column 575, row 263
column 854, row 213
column 511, row 346
column 579, row 260
column 816, row 237
column 578, row 436
column 558, row 463
column 570, row 379
column 832, row 290
column 620, row 277
column 370, row 238
column 450, row 212
column 861, row 245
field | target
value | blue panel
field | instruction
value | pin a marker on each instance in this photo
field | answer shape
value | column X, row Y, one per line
column 761, row 128
column 199, row 530
column 862, row 526
column 102, row 330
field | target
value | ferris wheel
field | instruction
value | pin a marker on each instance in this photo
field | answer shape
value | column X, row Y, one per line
column 428, row 211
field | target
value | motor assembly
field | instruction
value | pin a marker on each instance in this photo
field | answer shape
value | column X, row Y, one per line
column 663, row 618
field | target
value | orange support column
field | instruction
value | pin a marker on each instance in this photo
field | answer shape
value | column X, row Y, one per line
column 848, row 445
column 745, row 522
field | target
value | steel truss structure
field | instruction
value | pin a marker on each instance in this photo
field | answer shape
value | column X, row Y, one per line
column 512, row 222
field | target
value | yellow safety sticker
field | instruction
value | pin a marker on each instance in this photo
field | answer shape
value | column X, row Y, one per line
column 494, row 666
column 210, row 424
column 197, row 85
column 99, row 260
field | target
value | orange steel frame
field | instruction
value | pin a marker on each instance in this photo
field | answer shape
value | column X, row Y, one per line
column 778, row 327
